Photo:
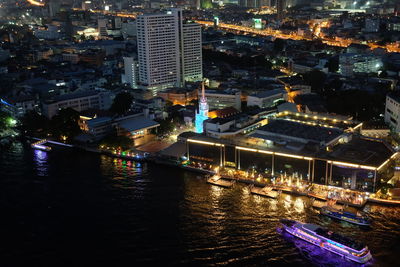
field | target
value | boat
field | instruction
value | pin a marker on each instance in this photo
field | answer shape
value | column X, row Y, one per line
column 328, row 240
column 345, row 216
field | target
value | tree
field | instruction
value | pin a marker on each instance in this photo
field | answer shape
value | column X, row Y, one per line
column 32, row 123
column 279, row 44
column 122, row 103
column 65, row 123
column 316, row 79
column 115, row 141
column 333, row 64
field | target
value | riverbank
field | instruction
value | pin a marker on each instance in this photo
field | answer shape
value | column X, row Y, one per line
column 142, row 156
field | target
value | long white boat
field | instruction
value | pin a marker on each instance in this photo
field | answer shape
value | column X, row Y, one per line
column 340, row 245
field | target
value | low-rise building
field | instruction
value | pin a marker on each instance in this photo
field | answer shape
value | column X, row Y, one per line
column 265, row 99
column 178, row 96
column 78, row 101
column 218, row 99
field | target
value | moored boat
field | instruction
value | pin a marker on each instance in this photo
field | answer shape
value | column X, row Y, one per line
column 328, row 240
column 345, row 216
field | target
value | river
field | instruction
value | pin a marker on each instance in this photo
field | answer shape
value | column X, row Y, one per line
column 71, row 208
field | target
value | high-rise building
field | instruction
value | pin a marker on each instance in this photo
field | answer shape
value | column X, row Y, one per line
column 280, row 9
column 192, row 59
column 251, row 3
column 169, row 50
column 54, row 7
column 131, row 72
column 102, row 27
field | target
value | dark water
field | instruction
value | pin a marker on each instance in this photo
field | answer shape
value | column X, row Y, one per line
column 69, row 208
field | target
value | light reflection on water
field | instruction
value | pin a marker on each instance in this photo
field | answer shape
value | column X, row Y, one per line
column 151, row 212
column 41, row 159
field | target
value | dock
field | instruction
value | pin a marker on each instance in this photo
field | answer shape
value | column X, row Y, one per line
column 319, row 204
column 218, row 181
column 266, row 191
column 40, row 145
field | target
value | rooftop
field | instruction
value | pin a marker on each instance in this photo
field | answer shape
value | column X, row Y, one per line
column 361, row 150
column 268, row 93
column 75, row 95
column 138, row 123
column 300, row 130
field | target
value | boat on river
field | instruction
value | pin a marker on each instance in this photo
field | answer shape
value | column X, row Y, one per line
column 328, row 240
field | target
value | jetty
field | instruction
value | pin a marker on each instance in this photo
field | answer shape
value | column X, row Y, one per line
column 266, row 191
column 218, row 181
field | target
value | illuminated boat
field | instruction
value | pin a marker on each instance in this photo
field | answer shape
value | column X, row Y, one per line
column 345, row 216
column 335, row 243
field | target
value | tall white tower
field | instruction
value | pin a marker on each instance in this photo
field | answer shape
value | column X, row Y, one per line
column 202, row 115
column 169, row 50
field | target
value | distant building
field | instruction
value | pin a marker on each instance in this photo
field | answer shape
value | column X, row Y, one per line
column 178, row 96
column 266, row 99
column 349, row 64
column 169, row 50
column 129, row 29
column 131, row 71
column 21, row 104
column 78, row 101
column 135, row 126
column 372, row 25
column 280, row 9
column 218, row 99
column 102, row 27
column 54, row 7
column 392, row 111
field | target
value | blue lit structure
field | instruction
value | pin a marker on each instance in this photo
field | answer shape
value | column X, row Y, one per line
column 202, row 115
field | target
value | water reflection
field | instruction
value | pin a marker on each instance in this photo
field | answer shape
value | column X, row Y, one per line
column 41, row 160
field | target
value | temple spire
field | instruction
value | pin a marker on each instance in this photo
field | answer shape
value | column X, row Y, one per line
column 203, row 91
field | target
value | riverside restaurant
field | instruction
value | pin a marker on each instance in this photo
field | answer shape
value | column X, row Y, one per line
column 359, row 163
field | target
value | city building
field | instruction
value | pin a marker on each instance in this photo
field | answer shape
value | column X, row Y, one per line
column 135, row 126
column 78, row 101
column 350, row 63
column 392, row 111
column 102, row 27
column 54, row 7
column 218, row 99
column 130, row 75
column 178, row 96
column 19, row 105
column 372, row 25
column 266, row 99
column 316, row 150
column 169, row 50
column 280, row 9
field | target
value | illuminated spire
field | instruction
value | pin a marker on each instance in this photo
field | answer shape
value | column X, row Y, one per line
column 203, row 92
column 202, row 115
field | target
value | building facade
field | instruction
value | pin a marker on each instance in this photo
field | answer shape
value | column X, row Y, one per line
column 79, row 101
column 219, row 99
column 131, row 72
column 169, row 51
column 392, row 111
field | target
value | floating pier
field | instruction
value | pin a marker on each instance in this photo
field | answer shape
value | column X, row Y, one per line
column 40, row 145
column 266, row 191
column 319, row 204
column 217, row 180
